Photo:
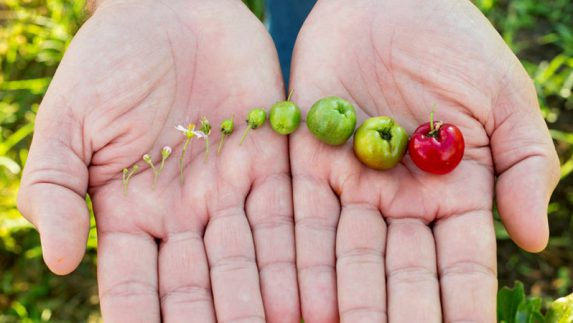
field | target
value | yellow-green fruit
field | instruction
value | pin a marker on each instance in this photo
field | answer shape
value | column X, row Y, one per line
column 380, row 143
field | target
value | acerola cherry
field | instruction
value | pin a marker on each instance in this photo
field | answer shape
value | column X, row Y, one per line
column 437, row 147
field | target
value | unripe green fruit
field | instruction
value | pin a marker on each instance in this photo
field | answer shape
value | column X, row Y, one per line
column 284, row 117
column 331, row 120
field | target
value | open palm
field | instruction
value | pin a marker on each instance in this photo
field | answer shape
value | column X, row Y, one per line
column 403, row 245
column 181, row 251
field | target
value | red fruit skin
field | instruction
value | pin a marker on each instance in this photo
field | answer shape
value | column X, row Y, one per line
column 438, row 154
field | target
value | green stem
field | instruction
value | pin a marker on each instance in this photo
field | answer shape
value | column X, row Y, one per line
column 126, row 181
column 432, row 121
column 155, row 174
column 162, row 164
column 290, row 94
column 244, row 135
column 206, row 150
column 133, row 170
column 181, row 178
column 221, row 144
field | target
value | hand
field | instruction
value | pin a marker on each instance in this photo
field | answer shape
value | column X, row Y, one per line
column 135, row 71
column 403, row 245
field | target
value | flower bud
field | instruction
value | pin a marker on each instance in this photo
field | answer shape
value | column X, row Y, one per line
column 205, row 126
column 227, row 126
column 165, row 152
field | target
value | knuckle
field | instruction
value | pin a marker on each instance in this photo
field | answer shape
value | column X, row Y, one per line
column 128, row 288
column 360, row 256
column 363, row 314
column 276, row 266
column 233, row 263
column 411, row 274
column 466, row 268
column 188, row 294
column 315, row 223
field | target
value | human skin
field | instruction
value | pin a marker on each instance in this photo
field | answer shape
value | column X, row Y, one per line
column 404, row 245
column 178, row 253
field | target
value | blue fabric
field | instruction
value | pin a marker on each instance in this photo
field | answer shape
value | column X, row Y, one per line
column 284, row 19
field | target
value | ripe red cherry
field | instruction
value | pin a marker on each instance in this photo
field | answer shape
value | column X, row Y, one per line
column 436, row 147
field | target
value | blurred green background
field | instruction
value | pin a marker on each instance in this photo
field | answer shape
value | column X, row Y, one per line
column 33, row 37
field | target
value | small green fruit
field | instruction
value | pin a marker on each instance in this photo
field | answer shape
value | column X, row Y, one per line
column 331, row 120
column 285, row 117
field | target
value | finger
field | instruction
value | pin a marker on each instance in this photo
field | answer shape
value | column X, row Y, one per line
column 317, row 211
column 234, row 274
column 360, row 243
column 413, row 288
column 54, row 185
column 127, row 277
column 525, row 161
column 467, row 266
column 184, row 284
column 269, row 209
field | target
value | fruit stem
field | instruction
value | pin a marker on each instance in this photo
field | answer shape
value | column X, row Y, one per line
column 153, row 169
column 162, row 165
column 155, row 176
column 127, row 176
column 182, row 179
column 124, row 181
column 244, row 135
column 290, row 94
column 432, row 129
column 221, row 144
column 206, row 150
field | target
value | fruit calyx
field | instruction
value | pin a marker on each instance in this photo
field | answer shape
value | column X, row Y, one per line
column 434, row 127
column 385, row 134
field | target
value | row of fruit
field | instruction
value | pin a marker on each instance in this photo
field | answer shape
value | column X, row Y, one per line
column 379, row 143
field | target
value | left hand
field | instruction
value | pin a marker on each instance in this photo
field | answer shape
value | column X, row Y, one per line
column 218, row 247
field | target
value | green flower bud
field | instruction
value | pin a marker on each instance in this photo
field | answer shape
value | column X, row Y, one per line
column 256, row 118
column 227, row 126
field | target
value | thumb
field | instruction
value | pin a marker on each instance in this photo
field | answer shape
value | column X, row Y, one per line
column 525, row 160
column 54, row 184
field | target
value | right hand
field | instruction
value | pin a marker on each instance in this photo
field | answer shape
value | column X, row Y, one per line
column 135, row 70
column 402, row 244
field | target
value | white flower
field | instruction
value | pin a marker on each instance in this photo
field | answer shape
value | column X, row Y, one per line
column 184, row 130
column 200, row 134
column 190, row 131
